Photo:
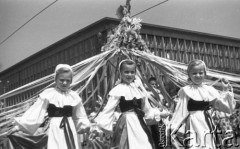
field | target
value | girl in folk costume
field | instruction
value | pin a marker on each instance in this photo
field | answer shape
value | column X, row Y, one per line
column 65, row 111
column 131, row 131
column 191, row 125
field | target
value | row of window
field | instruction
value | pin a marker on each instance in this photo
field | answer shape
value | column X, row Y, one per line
column 216, row 56
column 168, row 43
column 212, row 61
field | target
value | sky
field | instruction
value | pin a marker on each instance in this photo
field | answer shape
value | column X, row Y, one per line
column 64, row 17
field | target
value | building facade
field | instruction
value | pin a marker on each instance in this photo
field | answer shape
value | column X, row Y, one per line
column 221, row 53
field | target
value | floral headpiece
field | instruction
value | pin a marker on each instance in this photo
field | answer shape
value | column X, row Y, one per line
column 127, row 34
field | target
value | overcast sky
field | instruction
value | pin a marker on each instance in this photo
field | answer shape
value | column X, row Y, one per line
column 220, row 17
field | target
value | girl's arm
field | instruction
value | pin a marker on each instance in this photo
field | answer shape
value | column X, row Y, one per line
column 226, row 102
column 80, row 117
column 33, row 117
column 152, row 115
column 105, row 119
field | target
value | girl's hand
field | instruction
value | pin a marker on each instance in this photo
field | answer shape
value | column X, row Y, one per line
column 13, row 130
column 165, row 114
column 94, row 131
column 226, row 85
column 94, row 128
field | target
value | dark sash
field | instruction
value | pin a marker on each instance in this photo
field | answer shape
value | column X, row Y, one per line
column 135, row 104
column 204, row 106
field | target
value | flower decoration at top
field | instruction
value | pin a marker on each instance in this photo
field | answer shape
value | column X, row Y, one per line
column 127, row 34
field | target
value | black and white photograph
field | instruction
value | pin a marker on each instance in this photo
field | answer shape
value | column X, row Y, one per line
column 119, row 74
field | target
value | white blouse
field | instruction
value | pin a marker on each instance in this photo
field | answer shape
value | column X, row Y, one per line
column 34, row 116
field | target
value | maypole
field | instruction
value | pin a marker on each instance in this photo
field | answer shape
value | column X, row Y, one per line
column 127, row 40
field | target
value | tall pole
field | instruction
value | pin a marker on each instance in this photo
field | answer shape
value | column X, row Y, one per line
column 128, row 6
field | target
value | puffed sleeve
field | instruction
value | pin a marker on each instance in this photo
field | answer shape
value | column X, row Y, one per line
column 176, row 127
column 180, row 112
column 33, row 117
column 80, row 117
column 226, row 102
column 105, row 119
column 152, row 115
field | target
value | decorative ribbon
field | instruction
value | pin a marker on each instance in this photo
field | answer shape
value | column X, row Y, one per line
column 68, row 133
column 140, row 115
column 204, row 106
